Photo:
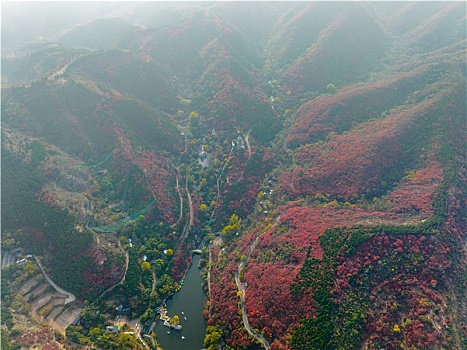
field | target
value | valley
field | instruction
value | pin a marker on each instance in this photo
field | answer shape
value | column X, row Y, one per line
column 311, row 153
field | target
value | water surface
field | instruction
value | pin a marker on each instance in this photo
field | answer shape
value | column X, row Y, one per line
column 190, row 301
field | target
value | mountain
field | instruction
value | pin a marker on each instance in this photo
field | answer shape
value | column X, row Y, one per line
column 45, row 23
column 135, row 75
column 315, row 150
column 342, row 42
column 36, row 62
column 102, row 34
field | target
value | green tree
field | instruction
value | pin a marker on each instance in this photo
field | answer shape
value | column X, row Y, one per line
column 158, row 265
column 133, row 274
column 106, row 184
column 165, row 285
column 213, row 335
column 94, row 333
column 193, row 119
column 330, row 88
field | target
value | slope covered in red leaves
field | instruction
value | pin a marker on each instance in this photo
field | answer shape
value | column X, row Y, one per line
column 318, row 150
column 343, row 110
column 348, row 165
column 370, row 252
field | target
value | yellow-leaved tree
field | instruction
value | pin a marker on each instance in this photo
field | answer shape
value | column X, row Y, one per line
column 233, row 227
column 145, row 266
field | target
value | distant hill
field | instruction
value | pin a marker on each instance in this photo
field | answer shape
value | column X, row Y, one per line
column 34, row 66
column 77, row 116
column 112, row 33
column 46, row 22
column 443, row 28
column 343, row 44
column 341, row 111
column 132, row 74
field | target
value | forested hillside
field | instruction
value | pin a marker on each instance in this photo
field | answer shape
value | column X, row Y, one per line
column 314, row 150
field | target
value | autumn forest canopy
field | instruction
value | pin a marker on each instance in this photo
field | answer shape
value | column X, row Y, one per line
column 313, row 152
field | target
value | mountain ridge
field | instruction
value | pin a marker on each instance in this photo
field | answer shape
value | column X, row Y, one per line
column 341, row 149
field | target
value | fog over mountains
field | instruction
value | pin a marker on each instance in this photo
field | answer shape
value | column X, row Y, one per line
column 313, row 151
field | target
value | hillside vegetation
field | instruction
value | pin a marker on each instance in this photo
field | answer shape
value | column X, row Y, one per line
column 316, row 150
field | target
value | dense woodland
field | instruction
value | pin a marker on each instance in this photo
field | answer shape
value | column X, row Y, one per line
column 315, row 150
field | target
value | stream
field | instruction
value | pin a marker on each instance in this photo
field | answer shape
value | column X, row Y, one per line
column 190, row 301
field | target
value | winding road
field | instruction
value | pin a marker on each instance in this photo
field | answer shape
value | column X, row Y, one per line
column 181, row 203
column 241, row 288
column 209, row 282
column 190, row 222
column 218, row 189
column 127, row 260
column 247, row 136
column 70, row 297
